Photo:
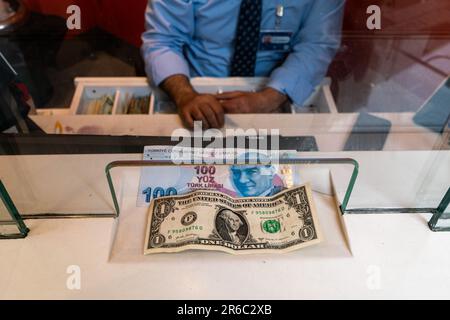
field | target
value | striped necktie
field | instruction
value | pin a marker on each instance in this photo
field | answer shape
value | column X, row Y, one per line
column 247, row 39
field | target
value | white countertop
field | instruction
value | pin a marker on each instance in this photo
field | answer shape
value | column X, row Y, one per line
column 394, row 256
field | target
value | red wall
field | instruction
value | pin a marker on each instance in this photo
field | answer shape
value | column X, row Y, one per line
column 124, row 19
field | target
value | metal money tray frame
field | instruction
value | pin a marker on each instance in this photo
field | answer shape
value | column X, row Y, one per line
column 437, row 214
column 291, row 161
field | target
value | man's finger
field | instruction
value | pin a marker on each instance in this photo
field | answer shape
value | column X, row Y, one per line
column 219, row 112
column 199, row 116
column 210, row 115
column 229, row 95
column 187, row 119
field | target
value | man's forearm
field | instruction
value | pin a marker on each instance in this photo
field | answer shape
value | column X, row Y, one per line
column 179, row 88
column 275, row 98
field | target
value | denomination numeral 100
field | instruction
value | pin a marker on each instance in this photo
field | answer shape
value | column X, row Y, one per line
column 205, row 170
column 158, row 192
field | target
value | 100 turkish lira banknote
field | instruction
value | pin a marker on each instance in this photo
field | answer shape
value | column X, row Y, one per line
column 234, row 180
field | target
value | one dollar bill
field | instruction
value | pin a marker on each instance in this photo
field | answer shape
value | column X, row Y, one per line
column 211, row 220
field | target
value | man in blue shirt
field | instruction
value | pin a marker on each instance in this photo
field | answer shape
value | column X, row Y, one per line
column 290, row 41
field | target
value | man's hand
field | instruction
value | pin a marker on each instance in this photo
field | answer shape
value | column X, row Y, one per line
column 202, row 107
column 193, row 106
column 265, row 101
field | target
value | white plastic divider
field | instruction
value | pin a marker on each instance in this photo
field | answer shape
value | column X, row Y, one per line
column 321, row 99
column 116, row 102
column 124, row 92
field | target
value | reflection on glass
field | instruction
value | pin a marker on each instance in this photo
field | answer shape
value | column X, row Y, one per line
column 4, row 214
column 394, row 70
column 73, row 100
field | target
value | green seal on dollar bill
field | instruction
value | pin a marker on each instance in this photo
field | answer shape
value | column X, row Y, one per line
column 271, row 226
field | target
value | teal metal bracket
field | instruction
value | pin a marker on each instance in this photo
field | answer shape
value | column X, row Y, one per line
column 439, row 214
column 15, row 216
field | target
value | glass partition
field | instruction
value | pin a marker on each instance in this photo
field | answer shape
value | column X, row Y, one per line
column 134, row 184
column 77, row 93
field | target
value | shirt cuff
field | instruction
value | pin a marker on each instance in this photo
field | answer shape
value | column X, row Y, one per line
column 163, row 66
column 298, row 89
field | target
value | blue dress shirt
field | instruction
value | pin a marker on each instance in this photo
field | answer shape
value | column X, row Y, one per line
column 196, row 38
